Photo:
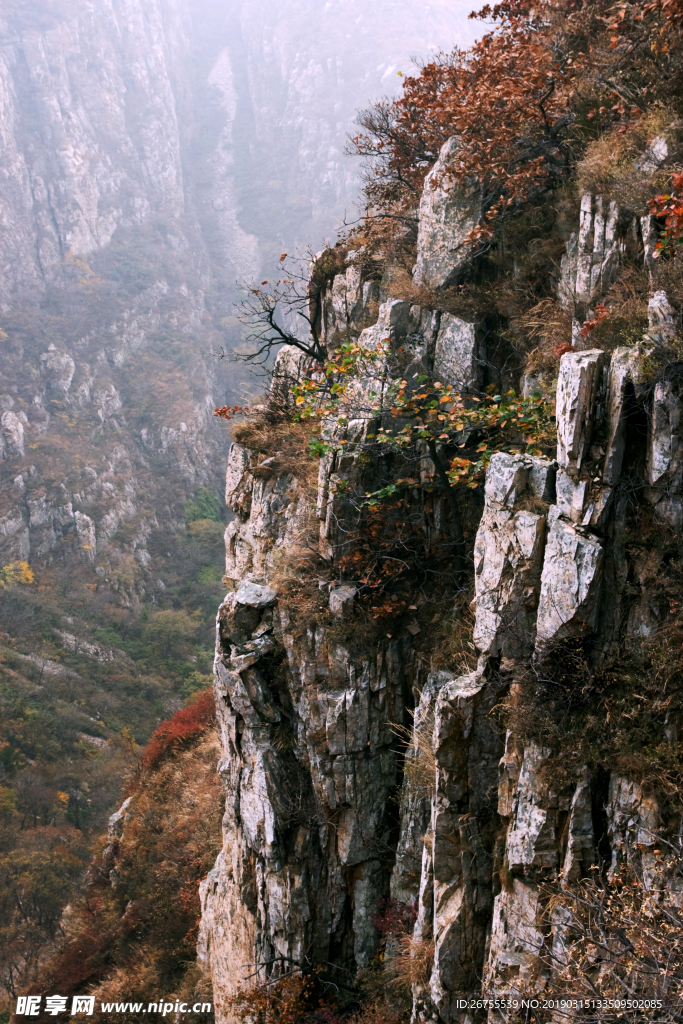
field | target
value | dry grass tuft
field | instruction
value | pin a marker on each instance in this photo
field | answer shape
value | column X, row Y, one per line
column 281, row 440
column 609, row 166
column 445, row 641
column 548, row 326
column 408, row 961
column 420, row 759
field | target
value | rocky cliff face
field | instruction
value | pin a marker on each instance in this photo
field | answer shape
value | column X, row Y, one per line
column 152, row 155
column 309, row 712
column 107, row 376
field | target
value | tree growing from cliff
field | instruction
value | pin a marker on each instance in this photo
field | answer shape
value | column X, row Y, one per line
column 522, row 102
column 416, row 417
column 506, row 100
column 286, row 311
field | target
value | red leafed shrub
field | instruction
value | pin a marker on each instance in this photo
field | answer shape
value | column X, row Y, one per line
column 602, row 313
column 228, row 412
column 395, row 918
column 669, row 208
column 183, row 728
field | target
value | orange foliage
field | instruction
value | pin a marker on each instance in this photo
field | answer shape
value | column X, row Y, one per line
column 183, row 728
column 505, row 99
column 601, row 313
column 518, row 100
column 669, row 208
column 228, row 412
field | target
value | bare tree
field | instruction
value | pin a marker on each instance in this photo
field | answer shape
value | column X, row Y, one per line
column 283, row 312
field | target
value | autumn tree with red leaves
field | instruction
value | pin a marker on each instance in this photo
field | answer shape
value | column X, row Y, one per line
column 522, row 102
column 506, row 100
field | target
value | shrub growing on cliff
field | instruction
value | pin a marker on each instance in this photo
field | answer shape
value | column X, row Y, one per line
column 416, row 417
column 619, row 942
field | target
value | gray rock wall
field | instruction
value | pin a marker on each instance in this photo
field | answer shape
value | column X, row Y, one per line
column 481, row 829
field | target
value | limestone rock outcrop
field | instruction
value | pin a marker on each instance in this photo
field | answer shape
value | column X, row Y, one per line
column 310, row 720
column 449, row 212
column 509, row 554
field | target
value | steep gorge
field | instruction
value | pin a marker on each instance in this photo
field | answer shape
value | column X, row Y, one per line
column 508, row 785
column 152, row 154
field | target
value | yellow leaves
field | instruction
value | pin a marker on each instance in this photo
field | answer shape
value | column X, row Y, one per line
column 300, row 400
column 16, row 572
column 63, row 798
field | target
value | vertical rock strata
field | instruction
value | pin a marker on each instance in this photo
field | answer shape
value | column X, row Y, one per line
column 309, row 762
column 310, row 758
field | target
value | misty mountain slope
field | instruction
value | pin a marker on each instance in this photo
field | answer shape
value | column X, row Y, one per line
column 151, row 154
column 298, row 73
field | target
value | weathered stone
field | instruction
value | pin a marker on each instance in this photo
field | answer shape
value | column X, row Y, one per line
column 345, row 306
column 13, row 434
column 591, row 261
column 648, row 229
column 580, row 853
column 633, row 820
column 508, row 555
column 466, row 750
column 620, row 373
column 306, row 829
column 289, row 368
column 241, row 611
column 239, row 484
column 87, row 539
column 514, row 970
column 598, row 508
column 654, row 156
column 449, row 212
column 117, row 821
column 460, row 353
column 577, row 387
column 570, row 584
column 255, row 595
column 571, row 495
column 661, row 319
column 341, row 601
column 59, row 368
column 532, row 842
column 664, row 463
column 419, row 780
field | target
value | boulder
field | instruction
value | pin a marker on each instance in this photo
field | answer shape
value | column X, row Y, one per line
column 460, row 353
column 449, row 212
column 341, row 601
column 241, row 612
